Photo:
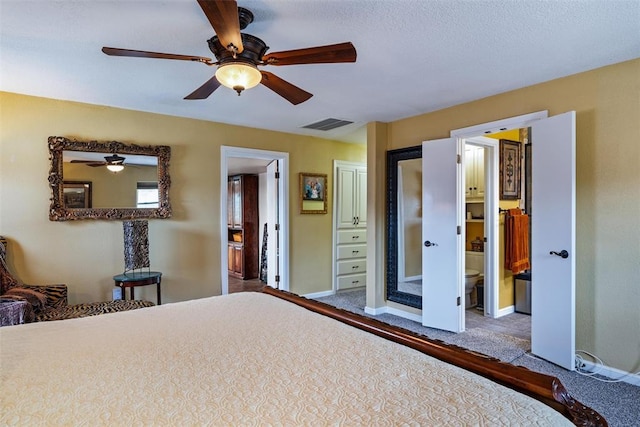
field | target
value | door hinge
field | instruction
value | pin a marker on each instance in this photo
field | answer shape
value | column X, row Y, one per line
column 278, row 281
column 458, row 230
column 458, row 301
column 458, row 159
column 277, row 227
column 277, row 175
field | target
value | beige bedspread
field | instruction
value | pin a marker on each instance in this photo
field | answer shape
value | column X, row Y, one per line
column 242, row 359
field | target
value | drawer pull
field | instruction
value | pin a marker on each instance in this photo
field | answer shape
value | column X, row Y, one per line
column 354, row 252
column 355, row 267
column 355, row 237
column 355, row 282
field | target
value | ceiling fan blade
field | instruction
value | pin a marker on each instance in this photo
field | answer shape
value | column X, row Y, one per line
column 341, row 52
column 114, row 51
column 223, row 16
column 205, row 90
column 91, row 163
column 291, row 93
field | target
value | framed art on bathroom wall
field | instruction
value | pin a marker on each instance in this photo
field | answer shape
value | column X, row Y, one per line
column 510, row 169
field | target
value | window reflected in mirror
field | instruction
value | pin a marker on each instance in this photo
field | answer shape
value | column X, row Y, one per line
column 147, row 195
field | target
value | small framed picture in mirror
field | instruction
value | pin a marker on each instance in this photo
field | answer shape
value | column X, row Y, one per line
column 77, row 194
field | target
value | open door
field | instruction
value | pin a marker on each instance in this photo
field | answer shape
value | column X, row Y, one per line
column 273, row 226
column 553, row 229
column 442, row 285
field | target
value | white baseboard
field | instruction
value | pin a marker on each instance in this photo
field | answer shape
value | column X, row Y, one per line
column 319, row 294
column 404, row 314
column 375, row 311
column 505, row 311
column 394, row 311
column 612, row 373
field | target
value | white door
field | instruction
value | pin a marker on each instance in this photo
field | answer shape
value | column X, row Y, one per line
column 469, row 171
column 553, row 230
column 273, row 232
column 361, row 197
column 441, row 252
column 346, row 184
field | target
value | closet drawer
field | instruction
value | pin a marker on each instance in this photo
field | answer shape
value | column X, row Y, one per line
column 352, row 236
column 352, row 281
column 350, row 267
column 352, row 251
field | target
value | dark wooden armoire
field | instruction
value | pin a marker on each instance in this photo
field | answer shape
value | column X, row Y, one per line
column 242, row 221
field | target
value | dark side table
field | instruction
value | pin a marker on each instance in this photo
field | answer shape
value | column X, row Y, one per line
column 139, row 278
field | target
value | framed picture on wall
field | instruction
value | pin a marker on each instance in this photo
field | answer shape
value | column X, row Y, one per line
column 313, row 193
column 77, row 194
column 510, row 169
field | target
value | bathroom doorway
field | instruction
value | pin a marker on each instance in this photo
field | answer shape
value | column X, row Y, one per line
column 553, row 231
column 490, row 295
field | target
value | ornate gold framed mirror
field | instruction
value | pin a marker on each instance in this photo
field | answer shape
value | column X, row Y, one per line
column 126, row 181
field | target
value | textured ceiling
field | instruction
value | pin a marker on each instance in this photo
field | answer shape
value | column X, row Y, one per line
column 414, row 56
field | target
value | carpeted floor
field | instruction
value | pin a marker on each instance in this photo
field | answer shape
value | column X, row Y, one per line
column 618, row 402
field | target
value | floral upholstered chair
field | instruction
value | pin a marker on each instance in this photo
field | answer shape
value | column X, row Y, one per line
column 47, row 302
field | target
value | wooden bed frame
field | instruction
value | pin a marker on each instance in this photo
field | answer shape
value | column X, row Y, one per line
column 545, row 388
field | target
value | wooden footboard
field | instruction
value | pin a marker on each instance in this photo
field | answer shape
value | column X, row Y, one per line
column 545, row 388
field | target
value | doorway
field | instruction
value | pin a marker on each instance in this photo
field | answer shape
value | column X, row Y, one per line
column 272, row 169
column 552, row 232
column 480, row 231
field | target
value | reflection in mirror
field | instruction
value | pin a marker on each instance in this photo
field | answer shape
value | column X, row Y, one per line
column 404, row 226
column 410, row 226
column 108, row 180
column 112, row 189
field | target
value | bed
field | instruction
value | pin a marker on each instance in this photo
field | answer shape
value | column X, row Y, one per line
column 261, row 358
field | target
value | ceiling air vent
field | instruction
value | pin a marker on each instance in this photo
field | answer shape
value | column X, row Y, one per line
column 327, row 124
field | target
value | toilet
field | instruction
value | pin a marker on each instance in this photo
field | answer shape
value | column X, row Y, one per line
column 473, row 274
column 470, row 278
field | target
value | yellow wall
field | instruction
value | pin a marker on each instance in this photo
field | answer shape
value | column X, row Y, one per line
column 186, row 248
column 607, row 105
column 505, row 277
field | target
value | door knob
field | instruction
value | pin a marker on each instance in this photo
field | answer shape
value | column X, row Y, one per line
column 562, row 253
column 429, row 244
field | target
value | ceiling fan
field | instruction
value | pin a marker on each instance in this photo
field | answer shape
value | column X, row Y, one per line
column 239, row 54
column 114, row 162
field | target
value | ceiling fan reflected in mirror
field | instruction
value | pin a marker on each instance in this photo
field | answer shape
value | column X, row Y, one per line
column 114, row 163
column 238, row 55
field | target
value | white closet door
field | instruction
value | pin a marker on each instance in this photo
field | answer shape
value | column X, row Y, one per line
column 442, row 285
column 361, row 197
column 478, row 161
column 346, row 205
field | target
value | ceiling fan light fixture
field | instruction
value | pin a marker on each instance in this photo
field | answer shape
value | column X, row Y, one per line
column 238, row 76
column 115, row 163
column 115, row 168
